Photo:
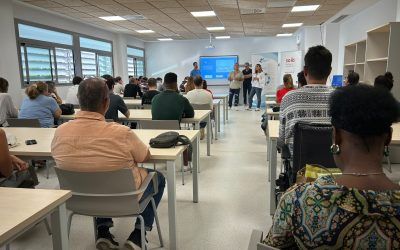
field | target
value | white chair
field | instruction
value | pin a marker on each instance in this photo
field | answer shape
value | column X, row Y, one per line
column 108, row 194
column 167, row 125
column 205, row 107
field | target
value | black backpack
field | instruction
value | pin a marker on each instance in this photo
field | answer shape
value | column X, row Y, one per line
column 67, row 109
column 171, row 139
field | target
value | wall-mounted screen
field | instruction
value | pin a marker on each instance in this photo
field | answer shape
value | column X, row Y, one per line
column 337, row 81
column 217, row 67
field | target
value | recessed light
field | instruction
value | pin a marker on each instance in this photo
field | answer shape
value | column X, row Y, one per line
column 291, row 25
column 215, row 28
column 305, row 8
column 222, row 37
column 112, row 18
column 203, row 13
column 285, row 34
column 144, row 31
column 165, row 39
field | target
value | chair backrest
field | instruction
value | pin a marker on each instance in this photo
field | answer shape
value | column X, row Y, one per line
column 160, row 124
column 100, row 193
column 23, row 123
column 311, row 145
column 201, row 106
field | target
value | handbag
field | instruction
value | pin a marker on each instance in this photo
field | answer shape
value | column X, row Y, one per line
column 171, row 139
column 67, row 109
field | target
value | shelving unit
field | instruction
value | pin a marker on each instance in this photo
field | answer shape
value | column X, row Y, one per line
column 354, row 58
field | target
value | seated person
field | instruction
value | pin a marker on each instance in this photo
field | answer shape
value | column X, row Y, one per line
column 38, row 105
column 119, row 86
column 287, row 86
column 200, row 96
column 53, row 92
column 384, row 81
column 10, row 163
column 160, row 86
column 7, row 108
column 169, row 104
column 353, row 78
column 72, row 91
column 182, row 85
column 301, row 80
column 205, row 87
column 359, row 209
column 133, row 89
column 107, row 146
column 189, row 85
column 116, row 103
column 148, row 96
column 309, row 103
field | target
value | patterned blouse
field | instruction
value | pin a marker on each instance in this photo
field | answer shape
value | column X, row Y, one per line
column 324, row 215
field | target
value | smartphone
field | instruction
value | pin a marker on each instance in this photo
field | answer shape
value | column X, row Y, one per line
column 30, row 142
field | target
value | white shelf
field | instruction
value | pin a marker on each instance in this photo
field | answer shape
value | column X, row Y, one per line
column 349, row 64
column 382, row 59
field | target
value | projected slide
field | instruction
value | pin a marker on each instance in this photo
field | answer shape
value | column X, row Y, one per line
column 217, row 67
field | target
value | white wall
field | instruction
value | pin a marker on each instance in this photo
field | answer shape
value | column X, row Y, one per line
column 178, row 56
column 355, row 28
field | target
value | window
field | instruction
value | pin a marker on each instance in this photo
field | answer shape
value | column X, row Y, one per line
column 89, row 68
column 39, row 64
column 65, row 65
column 35, row 33
column 135, row 61
column 96, row 57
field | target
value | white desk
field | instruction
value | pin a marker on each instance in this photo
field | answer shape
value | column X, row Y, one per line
column 224, row 98
column 270, row 103
column 270, row 97
column 21, row 209
column 44, row 136
column 133, row 103
column 137, row 115
column 217, row 111
column 273, row 115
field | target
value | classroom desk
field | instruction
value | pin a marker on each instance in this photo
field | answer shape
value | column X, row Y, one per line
column 217, row 112
column 169, row 156
column 270, row 97
column 273, row 115
column 270, row 103
column 224, row 98
column 21, row 209
column 133, row 103
column 272, row 139
column 137, row 115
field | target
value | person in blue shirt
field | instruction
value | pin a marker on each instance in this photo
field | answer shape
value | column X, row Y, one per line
column 39, row 105
column 195, row 71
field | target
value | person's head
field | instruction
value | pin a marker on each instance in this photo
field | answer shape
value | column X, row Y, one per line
column 36, row 89
column 171, row 81
column 76, row 80
column 384, row 81
column 195, row 65
column 110, row 83
column 247, row 65
column 51, row 87
column 106, row 76
column 258, row 68
column 3, row 85
column 288, row 81
column 118, row 79
column 236, row 66
column 152, row 83
column 133, row 80
column 317, row 65
column 301, row 80
column 159, row 79
column 130, row 76
column 353, row 78
column 198, row 82
column 93, row 95
column 362, row 117
column 205, row 84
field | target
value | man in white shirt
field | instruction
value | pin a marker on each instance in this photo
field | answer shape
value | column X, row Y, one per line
column 73, row 91
column 200, row 96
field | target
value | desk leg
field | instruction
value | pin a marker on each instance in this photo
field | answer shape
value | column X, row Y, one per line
column 59, row 228
column 219, row 116
column 269, row 153
column 209, row 135
column 216, row 114
column 171, row 204
column 196, row 169
column 273, row 175
column 224, row 110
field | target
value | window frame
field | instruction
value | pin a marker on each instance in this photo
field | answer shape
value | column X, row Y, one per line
column 75, row 47
column 135, row 58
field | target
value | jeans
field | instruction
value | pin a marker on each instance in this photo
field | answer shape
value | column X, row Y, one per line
column 246, row 91
column 254, row 91
column 234, row 92
column 103, row 224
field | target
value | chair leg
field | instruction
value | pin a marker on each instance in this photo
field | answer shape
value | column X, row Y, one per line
column 183, row 172
column 47, row 169
column 153, row 203
column 46, row 223
column 95, row 229
column 142, row 232
column 69, row 223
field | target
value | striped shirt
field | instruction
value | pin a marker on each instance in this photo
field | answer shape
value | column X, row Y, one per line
column 307, row 104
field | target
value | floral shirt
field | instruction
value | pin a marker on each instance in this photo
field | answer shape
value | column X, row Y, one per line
column 324, row 215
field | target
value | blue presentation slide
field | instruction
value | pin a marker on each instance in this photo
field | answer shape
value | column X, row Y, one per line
column 216, row 67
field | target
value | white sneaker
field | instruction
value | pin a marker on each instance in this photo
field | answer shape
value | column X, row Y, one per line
column 249, row 109
column 257, row 109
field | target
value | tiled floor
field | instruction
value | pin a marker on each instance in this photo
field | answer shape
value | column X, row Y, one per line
column 233, row 194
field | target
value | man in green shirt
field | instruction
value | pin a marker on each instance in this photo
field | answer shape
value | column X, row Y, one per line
column 169, row 104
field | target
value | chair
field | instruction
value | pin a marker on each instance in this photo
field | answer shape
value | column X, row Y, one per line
column 205, row 107
column 23, row 123
column 164, row 124
column 115, row 197
column 256, row 241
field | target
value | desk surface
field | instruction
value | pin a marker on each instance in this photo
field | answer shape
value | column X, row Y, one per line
column 44, row 136
column 133, row 101
column 20, row 208
column 220, row 96
column 270, row 102
column 270, row 112
column 216, row 101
